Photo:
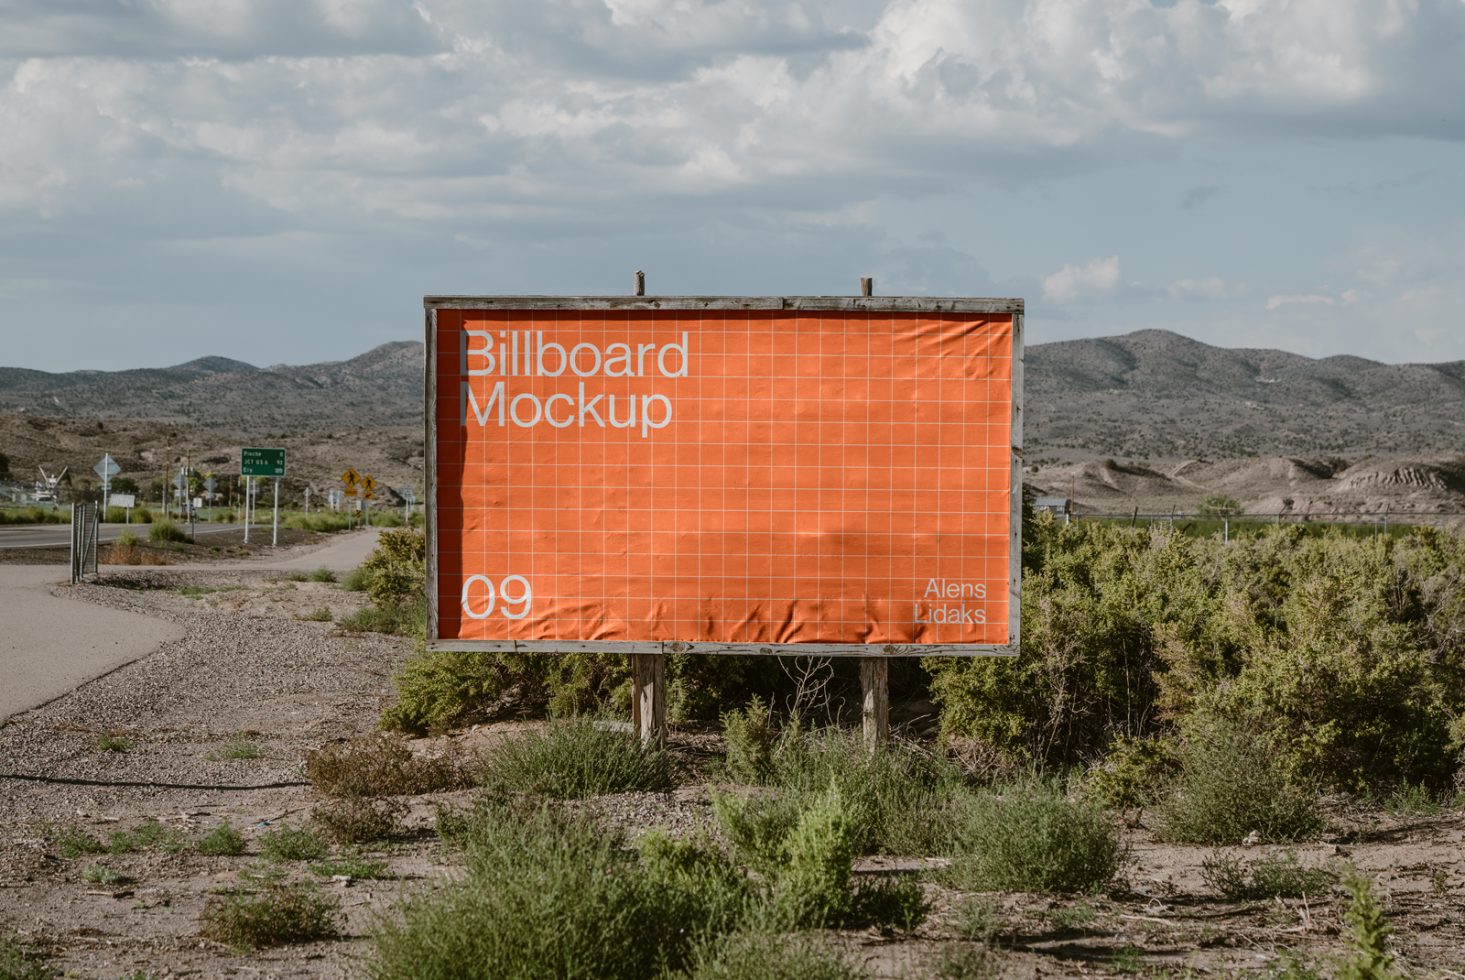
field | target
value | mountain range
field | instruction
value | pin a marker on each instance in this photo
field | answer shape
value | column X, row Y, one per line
column 1146, row 395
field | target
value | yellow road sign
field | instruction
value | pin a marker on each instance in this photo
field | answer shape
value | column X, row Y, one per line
column 350, row 478
column 367, row 494
column 368, row 483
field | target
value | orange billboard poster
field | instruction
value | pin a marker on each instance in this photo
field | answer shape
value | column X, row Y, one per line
column 742, row 475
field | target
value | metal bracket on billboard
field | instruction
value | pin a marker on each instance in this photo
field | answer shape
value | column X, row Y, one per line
column 787, row 476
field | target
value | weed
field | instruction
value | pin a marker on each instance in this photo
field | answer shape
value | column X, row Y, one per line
column 100, row 874
column 1030, row 837
column 113, row 743
column 321, row 615
column 280, row 914
column 238, row 747
column 1413, row 800
column 1232, row 787
column 977, row 920
column 1127, row 959
column 575, row 759
column 292, row 844
column 165, row 531
column 381, row 765
column 1368, row 933
column 1439, row 882
column 357, row 580
column 72, row 843
column 18, row 964
column 403, row 619
column 1274, row 876
column 222, row 841
column 322, row 575
column 750, row 738
column 352, row 865
column 150, row 835
column 764, row 955
column 297, row 577
column 359, row 820
column 966, row 962
column 549, row 894
column 1072, row 917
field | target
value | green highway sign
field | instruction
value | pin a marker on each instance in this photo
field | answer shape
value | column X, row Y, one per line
column 261, row 462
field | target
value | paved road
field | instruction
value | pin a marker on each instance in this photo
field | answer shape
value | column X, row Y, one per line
column 50, row 645
column 59, row 535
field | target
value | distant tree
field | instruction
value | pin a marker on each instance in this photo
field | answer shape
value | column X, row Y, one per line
column 1219, row 505
column 123, row 484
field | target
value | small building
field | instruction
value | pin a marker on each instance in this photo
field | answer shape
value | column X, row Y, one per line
column 1053, row 505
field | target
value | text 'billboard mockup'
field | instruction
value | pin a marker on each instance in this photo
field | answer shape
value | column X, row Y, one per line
column 735, row 475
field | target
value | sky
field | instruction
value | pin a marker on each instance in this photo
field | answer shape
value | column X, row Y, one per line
column 281, row 181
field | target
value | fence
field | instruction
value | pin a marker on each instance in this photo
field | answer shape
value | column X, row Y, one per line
column 85, row 528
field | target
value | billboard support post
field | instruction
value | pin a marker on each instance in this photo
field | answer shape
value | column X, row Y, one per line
column 875, row 686
column 648, row 696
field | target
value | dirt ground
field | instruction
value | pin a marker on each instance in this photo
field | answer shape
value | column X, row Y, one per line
column 258, row 663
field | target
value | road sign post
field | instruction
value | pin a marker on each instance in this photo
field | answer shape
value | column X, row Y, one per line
column 106, row 469
column 255, row 461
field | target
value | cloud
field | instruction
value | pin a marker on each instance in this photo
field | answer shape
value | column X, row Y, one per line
column 1073, row 282
column 1211, row 287
column 1310, row 299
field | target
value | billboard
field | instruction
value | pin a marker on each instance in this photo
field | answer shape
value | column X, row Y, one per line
column 820, row 475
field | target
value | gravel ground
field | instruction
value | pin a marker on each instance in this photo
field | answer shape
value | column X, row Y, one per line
column 244, row 668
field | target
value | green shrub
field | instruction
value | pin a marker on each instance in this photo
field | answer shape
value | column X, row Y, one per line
column 357, row 580
column 292, row 844
column 764, row 955
column 1273, row 876
column 142, row 515
column 1232, row 786
column 322, row 575
column 1030, row 837
column 113, row 743
column 398, row 567
column 381, row 765
column 319, row 522
column 238, row 747
column 551, row 895
column 222, row 841
column 574, row 759
column 1368, row 935
column 165, row 531
column 278, row 915
column 803, row 850
column 352, row 865
column 100, row 874
column 399, row 619
column 72, row 842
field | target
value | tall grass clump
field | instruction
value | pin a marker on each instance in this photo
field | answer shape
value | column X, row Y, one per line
column 552, row 895
column 1029, row 836
column 17, row 964
column 1233, row 786
column 381, row 765
column 574, row 759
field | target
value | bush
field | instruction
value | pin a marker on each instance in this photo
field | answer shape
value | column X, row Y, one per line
column 574, row 759
column 1232, row 786
column 1368, row 935
column 750, row 737
column 359, row 821
column 222, row 841
column 763, row 955
column 804, row 854
column 551, row 895
column 398, row 568
column 1030, row 837
column 280, row 914
column 381, row 765
column 322, row 575
column 165, row 531
column 150, row 835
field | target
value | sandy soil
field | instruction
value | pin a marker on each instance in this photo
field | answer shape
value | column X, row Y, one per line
column 248, row 666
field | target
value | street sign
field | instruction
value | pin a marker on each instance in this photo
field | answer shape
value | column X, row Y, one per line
column 209, row 485
column 124, row 500
column 107, row 468
column 368, row 483
column 786, row 475
column 350, row 478
column 261, row 462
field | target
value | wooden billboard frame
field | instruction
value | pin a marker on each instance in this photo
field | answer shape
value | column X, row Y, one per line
column 821, row 304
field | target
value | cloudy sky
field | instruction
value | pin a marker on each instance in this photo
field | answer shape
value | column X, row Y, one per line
column 282, row 180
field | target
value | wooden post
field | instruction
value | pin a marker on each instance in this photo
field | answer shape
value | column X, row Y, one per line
column 640, row 283
column 867, row 285
column 648, row 696
column 875, row 683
